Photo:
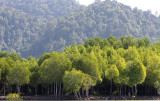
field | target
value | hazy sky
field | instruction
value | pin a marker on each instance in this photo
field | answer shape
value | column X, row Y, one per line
column 153, row 5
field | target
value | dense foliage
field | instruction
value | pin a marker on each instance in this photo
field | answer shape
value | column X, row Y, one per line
column 44, row 8
column 124, row 66
column 99, row 19
column 19, row 30
column 33, row 27
column 23, row 22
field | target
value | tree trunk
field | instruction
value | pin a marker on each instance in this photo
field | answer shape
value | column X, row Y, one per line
column 79, row 95
column 135, row 90
column 148, row 90
column 18, row 89
column 56, row 89
column 42, row 89
column 60, row 88
column 27, row 89
column 4, row 87
column 75, row 93
column 48, row 90
column 82, row 92
column 62, row 91
column 52, row 89
column 11, row 89
column 111, row 89
column 120, row 90
column 151, row 91
column 129, row 93
column 125, row 90
column 36, row 90
column 87, row 91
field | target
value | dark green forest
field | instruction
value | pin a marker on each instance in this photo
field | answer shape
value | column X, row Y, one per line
column 125, row 66
column 33, row 27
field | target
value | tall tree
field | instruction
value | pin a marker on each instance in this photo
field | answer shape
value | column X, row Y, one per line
column 112, row 73
column 136, row 72
column 19, row 75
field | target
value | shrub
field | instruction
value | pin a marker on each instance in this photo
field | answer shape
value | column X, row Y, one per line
column 13, row 96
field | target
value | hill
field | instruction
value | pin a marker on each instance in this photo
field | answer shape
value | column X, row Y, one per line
column 23, row 22
column 32, row 27
column 99, row 19
column 44, row 8
column 19, row 30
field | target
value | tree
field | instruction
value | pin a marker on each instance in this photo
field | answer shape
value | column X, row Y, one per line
column 4, row 54
column 136, row 73
column 141, row 42
column 43, row 57
column 122, row 78
column 14, row 56
column 52, row 69
column 153, row 73
column 131, row 54
column 74, row 80
column 6, row 63
column 147, row 41
column 128, row 41
column 87, row 83
column 34, row 76
column 88, row 64
column 112, row 73
column 19, row 75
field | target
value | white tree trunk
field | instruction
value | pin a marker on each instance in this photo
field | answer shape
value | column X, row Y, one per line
column 18, row 89
column 75, row 93
column 56, row 89
column 87, row 91
column 136, row 90
column 79, row 95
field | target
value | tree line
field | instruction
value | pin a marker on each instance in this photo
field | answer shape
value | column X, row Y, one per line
column 112, row 66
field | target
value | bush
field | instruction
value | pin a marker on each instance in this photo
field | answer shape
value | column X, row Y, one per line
column 13, row 96
column 115, row 92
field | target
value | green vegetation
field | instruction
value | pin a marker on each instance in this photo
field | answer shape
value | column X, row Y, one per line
column 34, row 27
column 44, row 8
column 102, row 67
column 123, row 62
column 23, row 22
column 13, row 97
column 99, row 19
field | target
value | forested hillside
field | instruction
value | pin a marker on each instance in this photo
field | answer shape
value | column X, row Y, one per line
column 32, row 27
column 99, row 19
column 44, row 8
column 22, row 22
column 112, row 66
column 19, row 30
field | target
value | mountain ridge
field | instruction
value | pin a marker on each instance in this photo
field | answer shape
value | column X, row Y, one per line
column 98, row 19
